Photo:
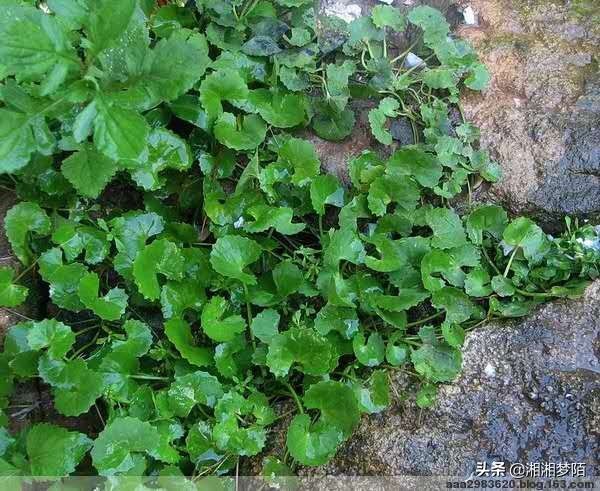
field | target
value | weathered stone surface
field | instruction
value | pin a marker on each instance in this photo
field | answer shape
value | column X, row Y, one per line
column 540, row 117
column 529, row 392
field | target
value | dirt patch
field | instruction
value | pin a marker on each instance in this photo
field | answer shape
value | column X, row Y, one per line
column 335, row 156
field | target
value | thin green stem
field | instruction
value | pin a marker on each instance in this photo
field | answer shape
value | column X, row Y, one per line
column 409, row 340
column 346, row 375
column 363, row 61
column 141, row 376
column 470, row 193
column 534, row 294
column 295, row 397
column 203, row 412
column 414, row 130
column 26, row 270
column 462, row 114
column 492, row 264
column 248, row 8
column 475, row 326
column 87, row 329
column 384, row 44
column 99, row 414
column 420, row 65
column 404, row 53
column 15, row 313
column 321, row 229
column 249, row 314
column 85, row 346
column 416, row 96
column 7, row 189
column 276, row 255
column 425, row 320
column 510, row 261
column 284, row 415
column 85, row 321
column 284, row 245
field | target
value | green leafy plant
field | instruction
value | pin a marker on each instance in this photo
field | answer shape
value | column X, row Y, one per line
column 203, row 269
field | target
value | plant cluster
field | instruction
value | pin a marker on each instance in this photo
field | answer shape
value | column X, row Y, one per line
column 200, row 266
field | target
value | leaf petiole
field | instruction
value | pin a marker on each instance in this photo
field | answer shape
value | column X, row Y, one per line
column 295, row 397
column 510, row 261
column 149, row 377
column 425, row 320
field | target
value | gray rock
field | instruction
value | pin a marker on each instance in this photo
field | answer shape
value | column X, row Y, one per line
column 540, row 117
column 402, row 131
column 529, row 392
